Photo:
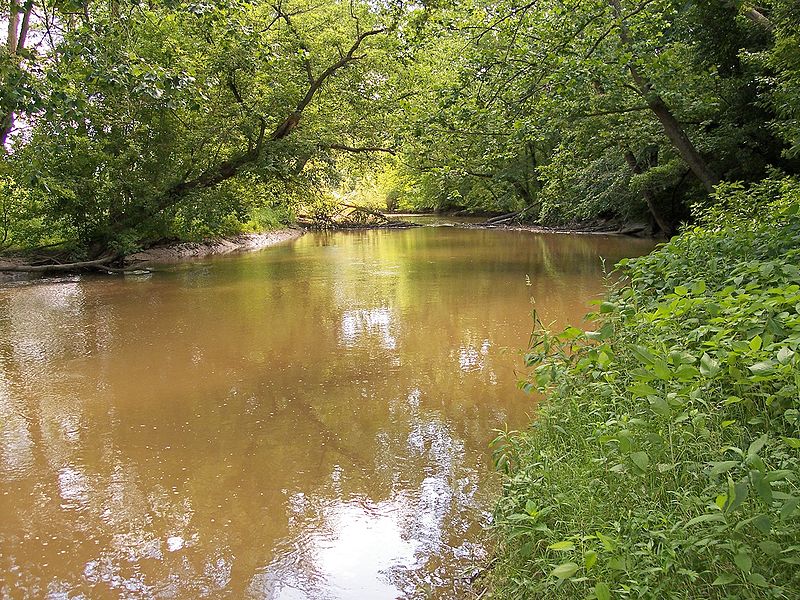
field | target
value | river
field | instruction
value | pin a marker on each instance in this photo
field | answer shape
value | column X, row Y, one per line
column 306, row 422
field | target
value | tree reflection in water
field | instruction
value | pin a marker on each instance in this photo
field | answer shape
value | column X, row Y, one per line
column 307, row 422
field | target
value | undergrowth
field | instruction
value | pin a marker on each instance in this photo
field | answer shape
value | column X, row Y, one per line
column 664, row 462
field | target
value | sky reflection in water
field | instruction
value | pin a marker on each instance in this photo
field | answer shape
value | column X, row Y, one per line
column 307, row 422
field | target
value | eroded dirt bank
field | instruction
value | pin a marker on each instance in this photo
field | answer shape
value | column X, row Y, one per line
column 244, row 242
column 23, row 267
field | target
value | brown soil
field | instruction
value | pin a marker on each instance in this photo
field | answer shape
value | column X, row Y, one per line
column 245, row 242
column 14, row 268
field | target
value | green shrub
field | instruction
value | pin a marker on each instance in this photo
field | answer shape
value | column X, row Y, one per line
column 265, row 218
column 665, row 461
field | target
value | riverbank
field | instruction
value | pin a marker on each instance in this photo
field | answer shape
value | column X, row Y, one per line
column 511, row 223
column 178, row 251
column 23, row 266
column 632, row 230
column 664, row 460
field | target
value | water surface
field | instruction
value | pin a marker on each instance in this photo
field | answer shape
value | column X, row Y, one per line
column 307, row 422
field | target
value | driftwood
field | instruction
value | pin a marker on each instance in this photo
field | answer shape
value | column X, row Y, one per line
column 350, row 216
column 99, row 264
column 508, row 217
column 59, row 267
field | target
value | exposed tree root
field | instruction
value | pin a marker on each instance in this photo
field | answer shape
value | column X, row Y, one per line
column 99, row 264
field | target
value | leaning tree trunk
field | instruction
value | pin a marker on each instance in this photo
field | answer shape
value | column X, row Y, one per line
column 676, row 133
column 228, row 169
column 672, row 128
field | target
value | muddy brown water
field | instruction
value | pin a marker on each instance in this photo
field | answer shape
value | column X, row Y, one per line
column 306, row 422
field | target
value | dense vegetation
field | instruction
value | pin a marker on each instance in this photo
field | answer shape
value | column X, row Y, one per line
column 665, row 462
column 124, row 122
column 579, row 109
column 128, row 121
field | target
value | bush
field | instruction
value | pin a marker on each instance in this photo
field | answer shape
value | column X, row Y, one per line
column 665, row 461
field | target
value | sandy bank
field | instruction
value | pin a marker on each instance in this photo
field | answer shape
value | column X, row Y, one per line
column 244, row 242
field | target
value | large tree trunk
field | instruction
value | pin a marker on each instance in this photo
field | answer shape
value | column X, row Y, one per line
column 676, row 133
column 672, row 128
column 13, row 26
column 753, row 14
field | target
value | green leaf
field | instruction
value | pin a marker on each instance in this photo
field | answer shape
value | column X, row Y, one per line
column 755, row 343
column 643, row 354
column 661, row 369
column 617, row 564
column 789, row 507
column 737, row 494
column 793, row 443
column 785, row 355
column 589, row 559
column 770, row 548
column 756, row 446
column 705, row 519
column 561, row 546
column 718, row 468
column 571, row 333
column 724, row 579
column 686, row 373
column 608, row 543
column 565, row 570
column 607, row 307
column 765, row 366
column 761, row 522
column 743, row 561
column 709, row 367
column 641, row 460
column 757, row 579
column 641, row 389
column 763, row 488
column 601, row 591
column 681, row 290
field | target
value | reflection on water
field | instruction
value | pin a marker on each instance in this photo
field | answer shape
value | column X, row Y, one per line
column 306, row 422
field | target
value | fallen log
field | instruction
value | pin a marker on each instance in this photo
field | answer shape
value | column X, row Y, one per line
column 508, row 217
column 99, row 264
column 502, row 218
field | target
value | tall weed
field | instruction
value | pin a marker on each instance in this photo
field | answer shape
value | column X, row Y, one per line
column 665, row 461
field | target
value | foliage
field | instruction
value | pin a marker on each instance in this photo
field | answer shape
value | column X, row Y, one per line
column 128, row 120
column 20, row 222
column 665, row 461
column 168, row 118
column 537, row 105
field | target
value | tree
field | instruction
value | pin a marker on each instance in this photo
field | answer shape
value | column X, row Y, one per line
column 19, row 20
column 640, row 95
column 149, row 109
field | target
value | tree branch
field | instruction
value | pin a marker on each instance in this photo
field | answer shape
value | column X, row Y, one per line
column 360, row 149
column 58, row 267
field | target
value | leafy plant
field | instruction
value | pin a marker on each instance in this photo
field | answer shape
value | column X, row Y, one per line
column 665, row 460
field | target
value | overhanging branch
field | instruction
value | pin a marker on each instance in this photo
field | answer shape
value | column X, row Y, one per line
column 360, row 149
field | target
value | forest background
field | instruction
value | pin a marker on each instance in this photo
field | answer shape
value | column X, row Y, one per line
column 124, row 123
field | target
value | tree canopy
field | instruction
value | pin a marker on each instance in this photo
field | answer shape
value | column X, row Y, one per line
column 124, row 122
